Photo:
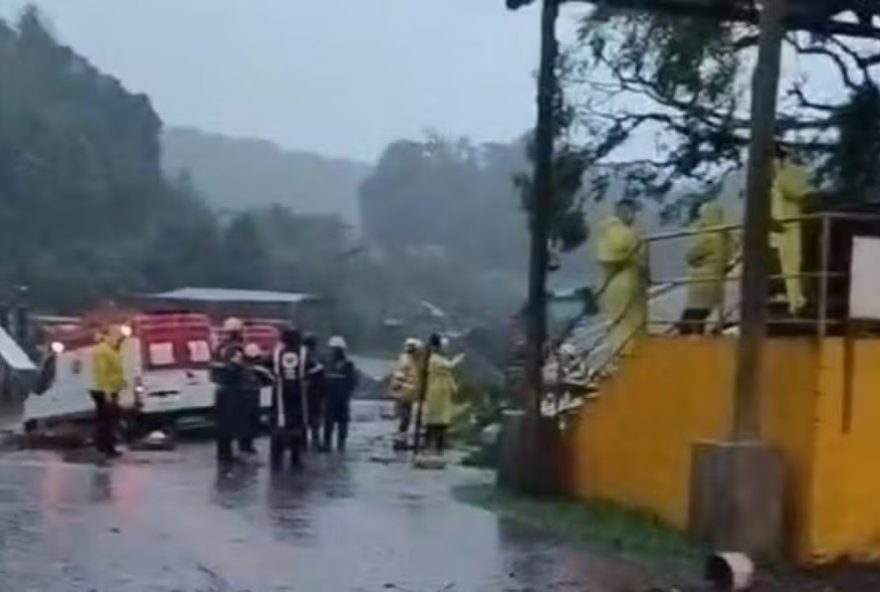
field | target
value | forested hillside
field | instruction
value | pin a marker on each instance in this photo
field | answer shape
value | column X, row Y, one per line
column 85, row 211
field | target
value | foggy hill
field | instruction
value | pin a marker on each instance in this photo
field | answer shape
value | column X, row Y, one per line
column 239, row 173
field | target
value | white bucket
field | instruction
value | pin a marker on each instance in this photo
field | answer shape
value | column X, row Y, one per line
column 730, row 572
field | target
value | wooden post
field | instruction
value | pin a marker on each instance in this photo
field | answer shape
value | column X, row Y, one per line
column 756, row 248
column 536, row 312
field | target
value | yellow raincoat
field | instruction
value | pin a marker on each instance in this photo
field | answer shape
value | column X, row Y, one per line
column 442, row 387
column 405, row 380
column 790, row 189
column 108, row 369
column 707, row 259
column 624, row 300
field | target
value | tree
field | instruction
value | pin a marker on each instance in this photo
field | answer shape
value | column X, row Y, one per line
column 85, row 212
column 678, row 84
column 243, row 254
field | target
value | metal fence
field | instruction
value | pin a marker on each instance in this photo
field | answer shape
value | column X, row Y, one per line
column 824, row 270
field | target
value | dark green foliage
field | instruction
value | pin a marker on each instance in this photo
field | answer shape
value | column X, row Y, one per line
column 855, row 160
column 681, row 84
column 85, row 211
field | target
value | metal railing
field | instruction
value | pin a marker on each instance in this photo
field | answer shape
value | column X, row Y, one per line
column 820, row 273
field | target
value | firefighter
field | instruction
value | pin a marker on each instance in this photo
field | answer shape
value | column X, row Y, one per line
column 439, row 394
column 404, row 388
column 256, row 376
column 289, row 404
column 229, row 374
column 315, row 389
column 790, row 190
column 707, row 259
column 108, row 382
column 341, row 379
column 624, row 295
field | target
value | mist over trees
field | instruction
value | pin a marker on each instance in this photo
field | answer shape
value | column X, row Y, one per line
column 86, row 213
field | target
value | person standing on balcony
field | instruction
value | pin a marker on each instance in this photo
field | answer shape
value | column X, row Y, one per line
column 707, row 260
column 621, row 253
column 790, row 190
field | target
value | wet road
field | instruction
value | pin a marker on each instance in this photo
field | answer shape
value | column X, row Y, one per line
column 166, row 522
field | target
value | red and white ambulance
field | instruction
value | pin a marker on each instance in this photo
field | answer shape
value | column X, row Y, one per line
column 167, row 358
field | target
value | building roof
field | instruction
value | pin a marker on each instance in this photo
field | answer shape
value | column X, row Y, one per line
column 229, row 295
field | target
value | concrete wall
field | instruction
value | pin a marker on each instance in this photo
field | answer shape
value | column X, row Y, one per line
column 633, row 444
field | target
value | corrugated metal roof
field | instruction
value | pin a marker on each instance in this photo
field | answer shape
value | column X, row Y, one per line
column 229, row 295
column 13, row 355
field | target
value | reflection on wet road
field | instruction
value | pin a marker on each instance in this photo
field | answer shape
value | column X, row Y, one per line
column 163, row 522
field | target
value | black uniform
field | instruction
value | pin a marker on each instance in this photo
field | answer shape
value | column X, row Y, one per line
column 289, row 405
column 315, row 389
column 341, row 380
column 229, row 373
column 256, row 377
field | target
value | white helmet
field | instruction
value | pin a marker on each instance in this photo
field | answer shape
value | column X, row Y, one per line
column 337, row 342
column 232, row 325
column 567, row 349
column 252, row 350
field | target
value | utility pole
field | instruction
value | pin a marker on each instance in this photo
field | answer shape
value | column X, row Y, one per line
column 539, row 219
column 756, row 247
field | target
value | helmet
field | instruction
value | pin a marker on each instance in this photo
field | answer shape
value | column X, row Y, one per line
column 233, row 325
column 310, row 341
column 252, row 350
column 567, row 349
column 290, row 336
column 337, row 342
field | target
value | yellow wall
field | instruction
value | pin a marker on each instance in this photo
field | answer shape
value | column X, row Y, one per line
column 846, row 486
column 633, row 444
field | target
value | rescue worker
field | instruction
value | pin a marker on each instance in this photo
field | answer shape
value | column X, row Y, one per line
column 341, row 380
column 289, row 411
column 707, row 260
column 315, row 389
column 108, row 382
column 404, row 388
column 624, row 294
column 439, row 394
column 255, row 377
column 790, row 190
column 229, row 374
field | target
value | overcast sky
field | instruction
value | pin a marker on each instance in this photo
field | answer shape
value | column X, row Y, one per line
column 338, row 77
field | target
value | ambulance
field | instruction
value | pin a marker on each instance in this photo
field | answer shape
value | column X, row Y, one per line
column 167, row 359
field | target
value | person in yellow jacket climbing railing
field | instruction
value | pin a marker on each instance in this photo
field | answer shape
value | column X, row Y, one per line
column 108, row 373
column 707, row 260
column 790, row 191
column 623, row 296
